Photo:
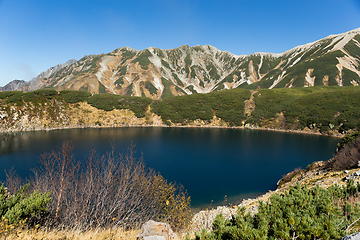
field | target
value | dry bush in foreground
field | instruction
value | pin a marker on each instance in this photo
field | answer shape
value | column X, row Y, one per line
column 107, row 191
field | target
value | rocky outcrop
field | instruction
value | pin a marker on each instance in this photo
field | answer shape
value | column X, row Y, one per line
column 355, row 236
column 13, row 85
column 38, row 81
column 53, row 114
column 204, row 219
column 152, row 230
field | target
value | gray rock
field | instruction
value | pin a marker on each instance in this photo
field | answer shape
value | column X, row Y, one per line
column 154, row 238
column 355, row 236
column 152, row 230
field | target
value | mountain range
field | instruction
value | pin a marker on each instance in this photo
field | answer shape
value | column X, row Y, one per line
column 158, row 73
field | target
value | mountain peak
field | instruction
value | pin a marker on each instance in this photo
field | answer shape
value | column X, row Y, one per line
column 158, row 73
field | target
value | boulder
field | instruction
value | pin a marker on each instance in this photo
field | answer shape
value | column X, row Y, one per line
column 152, row 230
column 355, row 236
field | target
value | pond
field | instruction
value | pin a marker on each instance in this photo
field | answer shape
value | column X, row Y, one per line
column 216, row 166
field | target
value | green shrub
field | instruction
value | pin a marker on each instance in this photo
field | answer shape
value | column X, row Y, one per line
column 7, row 94
column 301, row 213
column 109, row 102
column 143, row 59
column 21, row 206
column 228, row 105
column 72, row 96
column 16, row 97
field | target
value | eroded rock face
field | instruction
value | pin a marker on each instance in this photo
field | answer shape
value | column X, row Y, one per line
column 152, row 230
column 355, row 236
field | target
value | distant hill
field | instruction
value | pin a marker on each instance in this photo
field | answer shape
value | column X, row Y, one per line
column 157, row 73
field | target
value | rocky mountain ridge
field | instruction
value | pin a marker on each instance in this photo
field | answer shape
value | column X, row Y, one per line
column 157, row 73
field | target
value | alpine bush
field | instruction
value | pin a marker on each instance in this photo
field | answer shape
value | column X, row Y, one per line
column 299, row 213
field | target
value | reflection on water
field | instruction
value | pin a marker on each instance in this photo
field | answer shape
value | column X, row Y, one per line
column 210, row 163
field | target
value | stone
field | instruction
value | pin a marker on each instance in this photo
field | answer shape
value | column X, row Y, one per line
column 355, row 236
column 156, row 237
column 152, row 230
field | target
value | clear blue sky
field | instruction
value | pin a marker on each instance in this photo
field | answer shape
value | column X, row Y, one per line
column 38, row 34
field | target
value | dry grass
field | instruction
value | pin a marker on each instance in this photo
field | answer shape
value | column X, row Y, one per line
column 95, row 234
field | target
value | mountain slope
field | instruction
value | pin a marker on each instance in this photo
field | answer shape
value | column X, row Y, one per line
column 157, row 73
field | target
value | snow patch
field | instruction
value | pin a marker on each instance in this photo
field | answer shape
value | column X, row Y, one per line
column 241, row 80
column 135, row 90
column 296, row 61
column 155, row 59
column 157, row 83
column 354, row 83
column 112, row 78
column 310, row 81
column 344, row 41
column 280, row 77
column 103, row 68
column 260, row 65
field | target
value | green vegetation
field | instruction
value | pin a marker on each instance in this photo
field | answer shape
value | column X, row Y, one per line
column 166, row 92
column 302, row 213
column 143, row 59
column 152, row 89
column 212, row 72
column 119, row 81
column 269, row 63
column 20, row 207
column 324, row 65
column 127, row 54
column 177, row 79
column 183, row 109
column 349, row 76
column 228, row 105
column 102, row 88
column 322, row 108
column 129, row 90
column 165, row 64
column 72, row 96
column 326, row 106
column 122, row 70
column 109, row 102
column 353, row 49
column 10, row 94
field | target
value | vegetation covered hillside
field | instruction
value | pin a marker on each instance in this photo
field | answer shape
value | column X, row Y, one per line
column 328, row 110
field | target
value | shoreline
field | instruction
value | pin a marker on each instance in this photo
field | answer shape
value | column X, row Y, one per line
column 16, row 130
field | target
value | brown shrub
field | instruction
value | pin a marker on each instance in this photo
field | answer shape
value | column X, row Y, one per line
column 289, row 176
column 108, row 191
column 347, row 157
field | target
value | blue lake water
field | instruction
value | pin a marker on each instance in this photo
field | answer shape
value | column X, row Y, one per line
column 209, row 163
